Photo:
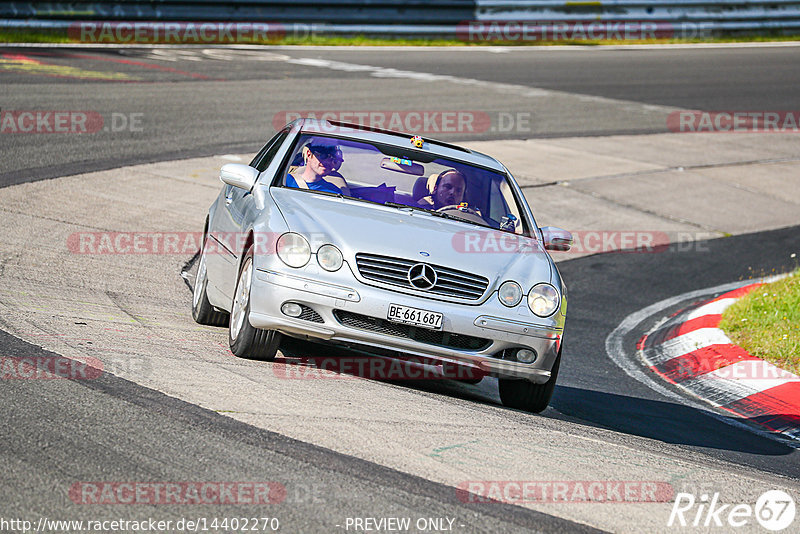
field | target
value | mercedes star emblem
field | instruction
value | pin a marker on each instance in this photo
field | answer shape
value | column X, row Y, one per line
column 422, row 276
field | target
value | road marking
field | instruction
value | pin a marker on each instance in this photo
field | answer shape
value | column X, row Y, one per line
column 139, row 64
column 715, row 307
column 616, row 351
column 27, row 65
column 684, row 344
column 705, row 363
column 498, row 87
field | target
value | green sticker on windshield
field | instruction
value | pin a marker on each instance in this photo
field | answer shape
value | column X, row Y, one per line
column 402, row 161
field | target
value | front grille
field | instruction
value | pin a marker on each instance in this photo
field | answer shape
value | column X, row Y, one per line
column 310, row 315
column 422, row 335
column 394, row 271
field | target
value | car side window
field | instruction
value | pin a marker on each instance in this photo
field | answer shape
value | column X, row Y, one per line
column 263, row 159
column 502, row 203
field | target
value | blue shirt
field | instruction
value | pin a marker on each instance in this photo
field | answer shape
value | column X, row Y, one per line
column 319, row 185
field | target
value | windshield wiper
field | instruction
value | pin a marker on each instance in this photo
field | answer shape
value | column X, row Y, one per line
column 401, row 206
column 419, row 208
column 329, row 193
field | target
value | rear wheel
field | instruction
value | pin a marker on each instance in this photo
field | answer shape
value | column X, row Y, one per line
column 202, row 310
column 246, row 341
column 525, row 395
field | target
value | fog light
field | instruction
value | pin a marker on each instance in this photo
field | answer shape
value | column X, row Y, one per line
column 292, row 309
column 526, row 355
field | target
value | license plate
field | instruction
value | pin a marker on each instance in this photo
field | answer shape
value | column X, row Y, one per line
column 415, row 316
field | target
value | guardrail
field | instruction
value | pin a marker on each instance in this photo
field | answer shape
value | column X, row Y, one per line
column 413, row 18
column 383, row 12
column 639, row 10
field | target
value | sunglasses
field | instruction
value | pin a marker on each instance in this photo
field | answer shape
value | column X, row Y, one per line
column 326, row 154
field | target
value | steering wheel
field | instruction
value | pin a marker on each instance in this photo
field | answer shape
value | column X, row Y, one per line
column 462, row 209
column 463, row 212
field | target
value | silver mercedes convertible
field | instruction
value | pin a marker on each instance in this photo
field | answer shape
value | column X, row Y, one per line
column 388, row 243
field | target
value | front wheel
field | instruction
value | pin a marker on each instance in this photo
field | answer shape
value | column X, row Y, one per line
column 525, row 395
column 246, row 341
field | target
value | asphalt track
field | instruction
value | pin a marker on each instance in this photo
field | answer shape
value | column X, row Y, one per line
column 193, row 104
column 116, row 430
column 202, row 101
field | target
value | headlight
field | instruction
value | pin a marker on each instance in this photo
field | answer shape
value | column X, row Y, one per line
column 510, row 293
column 543, row 300
column 293, row 249
column 329, row 258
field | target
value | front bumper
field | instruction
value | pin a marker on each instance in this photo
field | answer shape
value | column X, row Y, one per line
column 503, row 329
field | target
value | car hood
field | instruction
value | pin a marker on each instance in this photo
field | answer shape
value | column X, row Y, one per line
column 356, row 226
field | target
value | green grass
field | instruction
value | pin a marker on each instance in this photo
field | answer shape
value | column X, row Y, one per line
column 54, row 36
column 766, row 323
column 20, row 36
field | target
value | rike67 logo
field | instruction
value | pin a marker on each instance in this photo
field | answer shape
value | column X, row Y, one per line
column 774, row 510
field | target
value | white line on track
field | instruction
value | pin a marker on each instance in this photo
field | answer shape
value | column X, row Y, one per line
column 503, row 88
column 686, row 343
column 388, row 72
column 712, row 308
column 163, row 53
column 729, row 384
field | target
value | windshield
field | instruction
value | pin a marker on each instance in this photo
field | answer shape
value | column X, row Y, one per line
column 403, row 178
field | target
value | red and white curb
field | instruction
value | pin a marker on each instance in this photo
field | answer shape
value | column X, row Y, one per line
column 689, row 351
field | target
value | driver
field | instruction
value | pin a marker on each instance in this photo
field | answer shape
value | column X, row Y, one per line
column 321, row 159
column 447, row 191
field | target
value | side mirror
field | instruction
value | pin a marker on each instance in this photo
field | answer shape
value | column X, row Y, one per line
column 556, row 239
column 238, row 175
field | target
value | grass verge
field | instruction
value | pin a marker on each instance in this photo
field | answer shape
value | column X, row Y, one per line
column 766, row 323
column 32, row 36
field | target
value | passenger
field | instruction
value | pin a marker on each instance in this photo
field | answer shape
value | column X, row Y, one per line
column 448, row 190
column 335, row 176
column 321, row 159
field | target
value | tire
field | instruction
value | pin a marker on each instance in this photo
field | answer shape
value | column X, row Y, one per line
column 525, row 395
column 202, row 310
column 246, row 341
